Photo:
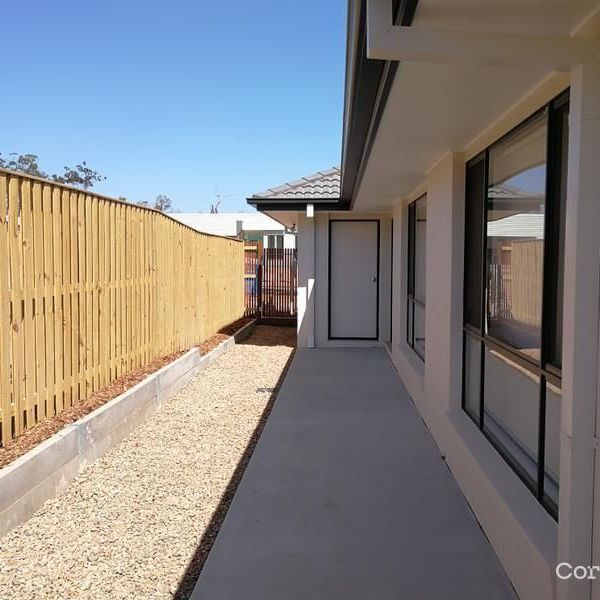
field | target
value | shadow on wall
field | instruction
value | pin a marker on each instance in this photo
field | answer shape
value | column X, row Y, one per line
column 262, row 336
column 306, row 315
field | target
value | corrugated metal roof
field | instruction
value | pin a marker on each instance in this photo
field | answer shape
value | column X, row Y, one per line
column 521, row 225
column 322, row 184
column 227, row 223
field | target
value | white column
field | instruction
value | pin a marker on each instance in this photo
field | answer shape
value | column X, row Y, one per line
column 580, row 329
column 306, row 281
column 444, row 293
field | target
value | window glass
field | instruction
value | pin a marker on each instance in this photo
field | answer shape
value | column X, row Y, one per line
column 419, row 325
column 552, row 442
column 474, row 206
column 515, row 237
column 410, row 290
column 472, row 391
column 417, row 248
column 511, row 412
column 420, row 247
column 410, row 319
column 391, row 280
column 515, row 198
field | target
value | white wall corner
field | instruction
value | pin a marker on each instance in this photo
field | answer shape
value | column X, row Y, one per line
column 578, row 516
column 444, row 273
column 306, row 282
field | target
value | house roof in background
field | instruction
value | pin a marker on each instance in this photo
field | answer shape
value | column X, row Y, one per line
column 319, row 185
column 520, row 225
column 227, row 223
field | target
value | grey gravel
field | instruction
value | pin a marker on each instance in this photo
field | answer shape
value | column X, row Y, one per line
column 139, row 522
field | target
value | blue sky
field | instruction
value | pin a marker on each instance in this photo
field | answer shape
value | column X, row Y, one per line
column 180, row 97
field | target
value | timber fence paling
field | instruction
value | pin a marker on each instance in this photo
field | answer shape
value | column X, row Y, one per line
column 91, row 288
column 278, row 281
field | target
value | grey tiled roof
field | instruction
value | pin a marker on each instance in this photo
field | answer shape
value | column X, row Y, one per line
column 322, row 184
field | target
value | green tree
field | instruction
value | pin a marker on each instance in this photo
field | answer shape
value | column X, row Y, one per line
column 24, row 163
column 81, row 176
column 163, row 203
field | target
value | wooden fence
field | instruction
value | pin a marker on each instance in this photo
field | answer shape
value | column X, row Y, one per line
column 91, row 288
column 526, row 264
column 515, row 286
column 279, row 283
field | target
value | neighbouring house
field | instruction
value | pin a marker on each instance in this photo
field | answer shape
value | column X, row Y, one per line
column 463, row 235
column 253, row 227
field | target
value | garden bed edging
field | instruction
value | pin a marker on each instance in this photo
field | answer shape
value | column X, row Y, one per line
column 46, row 470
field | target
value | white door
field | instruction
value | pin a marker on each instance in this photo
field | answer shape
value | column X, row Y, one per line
column 353, row 279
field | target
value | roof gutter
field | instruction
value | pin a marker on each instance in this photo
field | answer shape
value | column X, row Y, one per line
column 294, row 204
column 368, row 83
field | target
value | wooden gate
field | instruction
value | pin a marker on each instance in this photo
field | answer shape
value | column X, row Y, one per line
column 279, row 282
column 271, row 282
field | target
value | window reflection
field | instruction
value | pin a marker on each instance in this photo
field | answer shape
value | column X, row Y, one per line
column 417, row 250
column 420, row 247
column 515, row 197
column 515, row 237
column 419, row 325
column 511, row 412
column 472, row 382
column 552, row 442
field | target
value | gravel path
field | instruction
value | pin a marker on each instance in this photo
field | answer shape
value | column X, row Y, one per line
column 138, row 523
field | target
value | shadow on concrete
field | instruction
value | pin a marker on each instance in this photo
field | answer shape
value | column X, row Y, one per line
column 271, row 335
column 259, row 337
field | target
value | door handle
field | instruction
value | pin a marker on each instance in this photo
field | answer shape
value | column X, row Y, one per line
column 374, row 279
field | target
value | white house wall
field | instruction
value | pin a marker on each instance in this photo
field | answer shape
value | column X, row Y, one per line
column 230, row 224
column 306, row 281
column 580, row 425
column 289, row 240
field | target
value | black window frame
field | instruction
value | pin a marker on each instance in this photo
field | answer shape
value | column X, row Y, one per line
column 391, row 280
column 546, row 368
column 411, row 300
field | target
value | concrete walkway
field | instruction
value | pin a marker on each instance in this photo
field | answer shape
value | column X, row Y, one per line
column 346, row 497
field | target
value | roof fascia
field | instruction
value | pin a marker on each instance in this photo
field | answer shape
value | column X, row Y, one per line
column 366, row 97
column 295, row 204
